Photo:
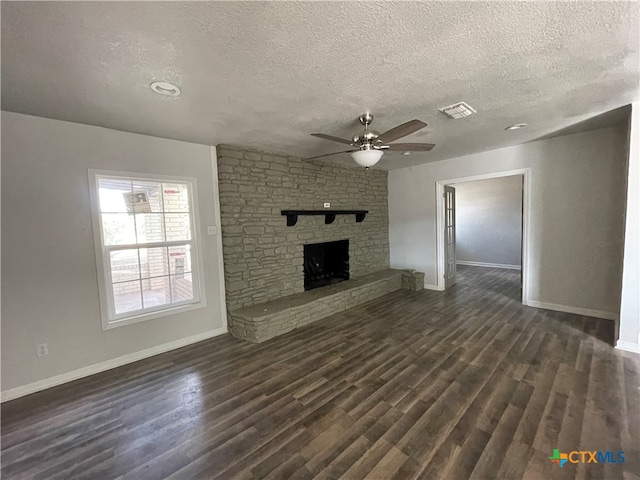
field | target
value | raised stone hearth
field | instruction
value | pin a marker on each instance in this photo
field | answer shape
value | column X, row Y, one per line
column 268, row 320
column 412, row 280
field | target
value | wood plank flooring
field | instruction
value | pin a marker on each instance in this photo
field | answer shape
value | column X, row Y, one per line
column 466, row 383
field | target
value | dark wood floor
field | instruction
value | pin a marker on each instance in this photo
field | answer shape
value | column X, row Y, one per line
column 462, row 384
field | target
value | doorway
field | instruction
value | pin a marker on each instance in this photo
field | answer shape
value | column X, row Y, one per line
column 486, row 247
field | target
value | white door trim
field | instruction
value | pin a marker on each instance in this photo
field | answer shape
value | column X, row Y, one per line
column 526, row 214
column 628, row 346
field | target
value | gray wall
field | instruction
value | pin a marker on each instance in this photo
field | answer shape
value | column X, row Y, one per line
column 49, row 277
column 262, row 256
column 576, row 215
column 489, row 221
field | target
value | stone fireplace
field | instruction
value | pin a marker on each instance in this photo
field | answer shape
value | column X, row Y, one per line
column 325, row 263
column 264, row 259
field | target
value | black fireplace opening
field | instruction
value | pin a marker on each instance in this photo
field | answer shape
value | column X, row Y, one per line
column 325, row 263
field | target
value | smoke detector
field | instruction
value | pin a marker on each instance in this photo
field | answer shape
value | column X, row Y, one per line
column 458, row 110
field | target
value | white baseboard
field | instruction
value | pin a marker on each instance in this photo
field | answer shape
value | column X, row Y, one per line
column 577, row 310
column 23, row 390
column 628, row 346
column 490, row 265
column 433, row 287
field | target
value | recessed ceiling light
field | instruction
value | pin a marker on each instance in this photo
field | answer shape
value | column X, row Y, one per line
column 516, row 126
column 165, row 88
column 406, row 153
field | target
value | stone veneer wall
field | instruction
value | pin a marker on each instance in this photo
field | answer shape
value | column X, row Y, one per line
column 262, row 256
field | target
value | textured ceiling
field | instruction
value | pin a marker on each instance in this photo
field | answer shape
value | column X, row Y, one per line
column 266, row 74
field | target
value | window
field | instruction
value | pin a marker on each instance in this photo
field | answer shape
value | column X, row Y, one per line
column 146, row 248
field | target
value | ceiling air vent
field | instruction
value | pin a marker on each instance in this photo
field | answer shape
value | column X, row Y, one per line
column 458, row 110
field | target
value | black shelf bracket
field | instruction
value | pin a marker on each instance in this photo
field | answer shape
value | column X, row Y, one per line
column 329, row 215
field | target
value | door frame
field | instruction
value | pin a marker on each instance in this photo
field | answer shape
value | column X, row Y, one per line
column 526, row 219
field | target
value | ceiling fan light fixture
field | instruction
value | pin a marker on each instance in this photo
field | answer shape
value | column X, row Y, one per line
column 370, row 144
column 367, row 158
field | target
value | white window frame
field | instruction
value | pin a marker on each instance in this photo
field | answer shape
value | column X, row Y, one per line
column 107, row 305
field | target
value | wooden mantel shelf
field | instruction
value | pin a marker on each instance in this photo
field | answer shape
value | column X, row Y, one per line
column 329, row 215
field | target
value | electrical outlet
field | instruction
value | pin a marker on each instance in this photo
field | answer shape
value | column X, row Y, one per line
column 42, row 349
column 212, row 230
column 327, row 205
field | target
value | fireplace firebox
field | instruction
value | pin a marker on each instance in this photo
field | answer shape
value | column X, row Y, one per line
column 325, row 263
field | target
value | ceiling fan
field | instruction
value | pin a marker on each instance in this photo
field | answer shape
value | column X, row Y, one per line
column 369, row 146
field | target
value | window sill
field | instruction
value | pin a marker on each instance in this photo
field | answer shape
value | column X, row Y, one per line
column 143, row 317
